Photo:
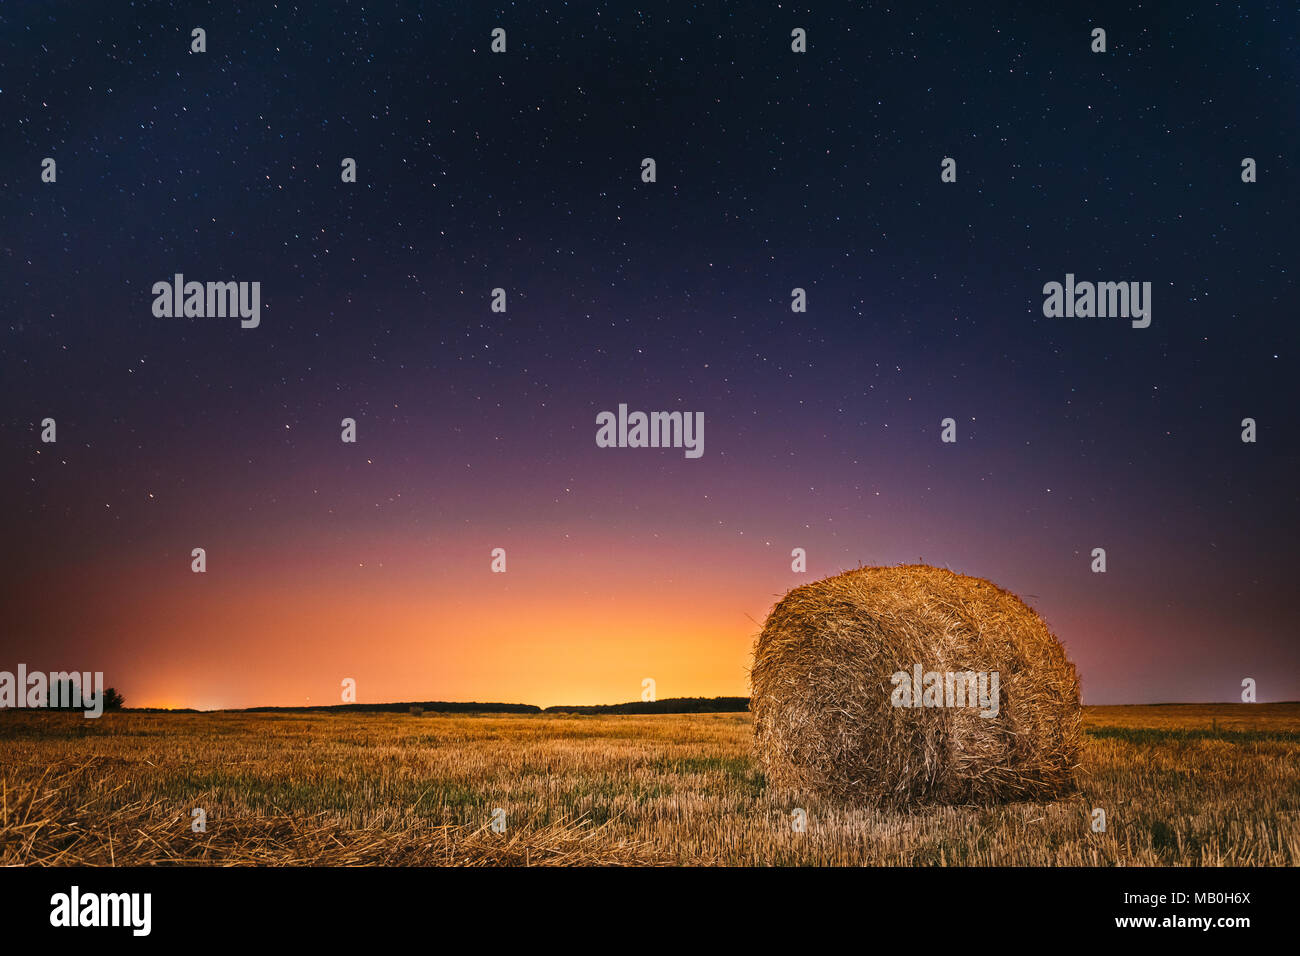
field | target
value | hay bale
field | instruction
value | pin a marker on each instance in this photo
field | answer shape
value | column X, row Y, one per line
column 827, row 676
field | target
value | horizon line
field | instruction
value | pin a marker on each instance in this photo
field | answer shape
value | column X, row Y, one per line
column 468, row 706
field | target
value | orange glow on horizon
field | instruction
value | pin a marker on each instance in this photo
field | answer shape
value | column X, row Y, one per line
column 271, row 636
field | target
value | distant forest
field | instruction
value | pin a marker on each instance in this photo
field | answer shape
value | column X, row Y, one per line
column 669, row 705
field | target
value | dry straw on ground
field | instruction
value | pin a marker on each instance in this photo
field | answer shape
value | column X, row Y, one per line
column 821, row 692
column 50, row 822
column 1200, row 785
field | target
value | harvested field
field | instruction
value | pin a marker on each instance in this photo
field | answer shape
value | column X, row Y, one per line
column 1202, row 784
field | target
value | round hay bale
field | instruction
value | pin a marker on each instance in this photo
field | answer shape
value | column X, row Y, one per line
column 833, row 681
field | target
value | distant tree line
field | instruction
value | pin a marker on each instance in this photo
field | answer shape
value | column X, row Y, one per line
column 441, row 706
column 669, row 705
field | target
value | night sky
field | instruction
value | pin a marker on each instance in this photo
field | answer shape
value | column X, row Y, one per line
column 476, row 430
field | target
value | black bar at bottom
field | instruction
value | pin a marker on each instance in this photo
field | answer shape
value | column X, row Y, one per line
column 644, row 907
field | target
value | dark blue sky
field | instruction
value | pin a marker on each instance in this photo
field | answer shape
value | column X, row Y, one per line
column 775, row 170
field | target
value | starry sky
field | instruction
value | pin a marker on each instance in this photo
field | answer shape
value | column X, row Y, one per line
column 476, row 430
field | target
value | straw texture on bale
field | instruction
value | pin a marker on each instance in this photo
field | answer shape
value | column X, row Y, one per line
column 822, row 694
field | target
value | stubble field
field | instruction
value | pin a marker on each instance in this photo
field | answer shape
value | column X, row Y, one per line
column 1179, row 785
